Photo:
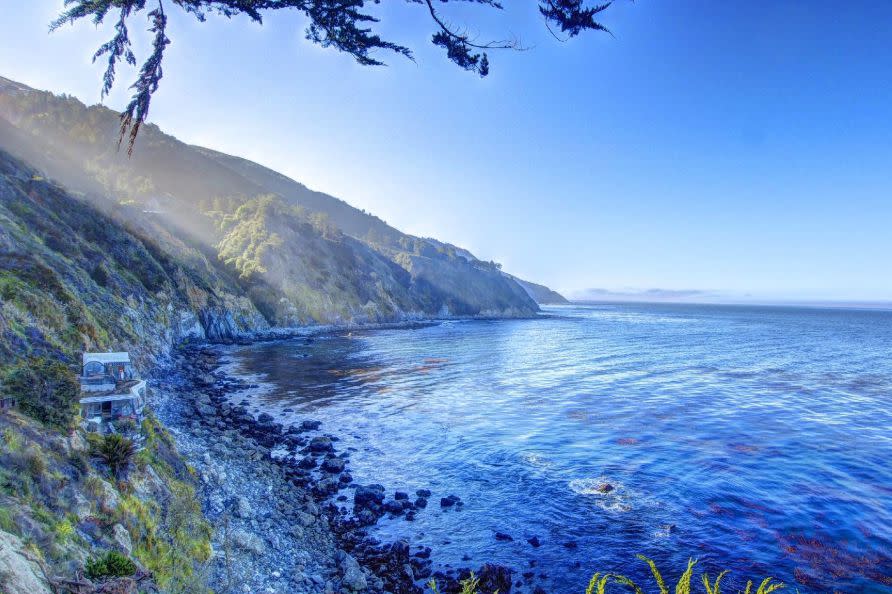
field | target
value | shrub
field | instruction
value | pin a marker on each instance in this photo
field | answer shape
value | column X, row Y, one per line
column 12, row 442
column 600, row 581
column 46, row 390
column 116, row 452
column 112, row 564
column 34, row 462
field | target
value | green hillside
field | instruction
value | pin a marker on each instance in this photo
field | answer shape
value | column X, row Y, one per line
column 299, row 256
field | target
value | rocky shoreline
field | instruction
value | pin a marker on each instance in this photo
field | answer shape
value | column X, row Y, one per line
column 287, row 514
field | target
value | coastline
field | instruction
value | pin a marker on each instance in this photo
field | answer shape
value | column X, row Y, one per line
column 288, row 517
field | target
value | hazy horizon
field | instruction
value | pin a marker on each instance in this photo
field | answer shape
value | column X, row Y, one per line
column 710, row 146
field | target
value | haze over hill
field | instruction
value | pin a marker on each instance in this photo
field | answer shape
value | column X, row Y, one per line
column 238, row 228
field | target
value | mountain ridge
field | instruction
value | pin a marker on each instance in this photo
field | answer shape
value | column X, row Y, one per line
column 301, row 256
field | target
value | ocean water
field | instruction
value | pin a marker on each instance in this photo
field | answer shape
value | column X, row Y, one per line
column 757, row 439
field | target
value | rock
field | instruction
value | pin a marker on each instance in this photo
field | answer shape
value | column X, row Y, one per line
column 243, row 508
column 368, row 495
column 321, row 444
column 605, row 488
column 305, row 519
column 246, row 541
column 400, row 495
column 18, row 573
column 535, row 542
column 122, row 538
column 307, row 463
column 325, row 487
column 394, row 507
column 353, row 578
column 494, row 578
column 450, row 501
column 81, row 507
column 265, row 419
column 423, row 493
column 333, row 465
column 77, row 443
column 205, row 410
column 421, row 503
column 107, row 496
column 501, row 536
column 310, row 425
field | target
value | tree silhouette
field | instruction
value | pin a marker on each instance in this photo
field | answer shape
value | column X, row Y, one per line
column 346, row 25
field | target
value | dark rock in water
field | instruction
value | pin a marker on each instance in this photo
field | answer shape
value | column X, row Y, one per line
column 393, row 506
column 265, row 419
column 450, row 501
column 287, row 410
column 369, row 494
column 410, row 516
column 310, row 425
column 425, row 493
column 325, row 487
column 400, row 495
column 539, row 590
column 492, row 578
column 345, row 478
column 307, row 462
column 321, row 444
column 424, row 553
column 534, row 541
column 571, row 544
column 368, row 503
column 501, row 536
column 333, row 465
column 421, row 503
column 605, row 488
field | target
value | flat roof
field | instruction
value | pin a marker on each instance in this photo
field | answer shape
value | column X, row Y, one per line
column 122, row 357
column 108, row 398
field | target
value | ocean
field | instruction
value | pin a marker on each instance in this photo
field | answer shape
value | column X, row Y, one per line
column 755, row 439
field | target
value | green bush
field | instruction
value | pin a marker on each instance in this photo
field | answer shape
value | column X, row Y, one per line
column 112, row 564
column 600, row 581
column 116, row 452
column 45, row 390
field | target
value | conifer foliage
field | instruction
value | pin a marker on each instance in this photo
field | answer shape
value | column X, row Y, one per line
column 346, row 25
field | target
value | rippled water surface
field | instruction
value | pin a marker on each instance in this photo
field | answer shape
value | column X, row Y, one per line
column 758, row 439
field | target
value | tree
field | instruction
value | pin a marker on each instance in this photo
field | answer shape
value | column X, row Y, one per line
column 346, row 25
column 45, row 389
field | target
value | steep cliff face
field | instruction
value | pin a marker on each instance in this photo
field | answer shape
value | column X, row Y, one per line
column 72, row 277
column 300, row 256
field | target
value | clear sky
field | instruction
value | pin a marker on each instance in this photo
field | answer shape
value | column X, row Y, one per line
column 741, row 148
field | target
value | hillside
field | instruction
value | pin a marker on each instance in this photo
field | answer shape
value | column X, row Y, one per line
column 541, row 294
column 299, row 256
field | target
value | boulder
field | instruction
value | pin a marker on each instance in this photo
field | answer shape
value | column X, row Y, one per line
column 494, row 578
column 246, row 541
column 333, row 465
column 353, row 579
column 321, row 444
column 450, row 501
column 20, row 573
column 122, row 539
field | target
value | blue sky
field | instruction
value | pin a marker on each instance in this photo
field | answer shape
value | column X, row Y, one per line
column 741, row 149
